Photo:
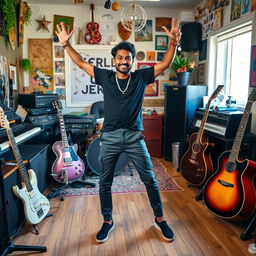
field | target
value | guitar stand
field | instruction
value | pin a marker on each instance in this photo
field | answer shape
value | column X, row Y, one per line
column 35, row 225
column 56, row 192
column 9, row 247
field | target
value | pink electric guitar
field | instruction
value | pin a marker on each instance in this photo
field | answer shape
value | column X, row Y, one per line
column 68, row 166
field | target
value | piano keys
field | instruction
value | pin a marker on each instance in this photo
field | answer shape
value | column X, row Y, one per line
column 22, row 131
column 222, row 123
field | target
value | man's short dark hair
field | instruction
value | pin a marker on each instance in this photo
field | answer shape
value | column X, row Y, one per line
column 126, row 46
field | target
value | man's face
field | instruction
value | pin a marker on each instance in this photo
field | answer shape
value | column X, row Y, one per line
column 123, row 61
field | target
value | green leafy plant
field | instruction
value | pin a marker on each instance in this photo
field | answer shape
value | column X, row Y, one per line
column 28, row 14
column 26, row 64
column 8, row 8
column 182, row 64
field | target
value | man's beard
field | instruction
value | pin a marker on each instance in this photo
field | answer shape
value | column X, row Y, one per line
column 129, row 67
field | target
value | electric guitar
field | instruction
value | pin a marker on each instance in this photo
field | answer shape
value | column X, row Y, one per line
column 68, row 166
column 230, row 192
column 93, row 35
column 36, row 205
column 196, row 164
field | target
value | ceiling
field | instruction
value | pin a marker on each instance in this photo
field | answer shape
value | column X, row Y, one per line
column 186, row 4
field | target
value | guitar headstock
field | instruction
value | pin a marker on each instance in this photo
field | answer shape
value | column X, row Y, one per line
column 57, row 104
column 92, row 7
column 3, row 120
column 252, row 96
column 216, row 92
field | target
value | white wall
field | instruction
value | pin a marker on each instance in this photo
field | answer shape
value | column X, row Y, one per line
column 82, row 15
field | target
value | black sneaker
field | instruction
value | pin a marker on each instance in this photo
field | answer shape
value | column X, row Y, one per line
column 103, row 234
column 167, row 233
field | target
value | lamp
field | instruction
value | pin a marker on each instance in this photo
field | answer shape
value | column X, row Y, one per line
column 107, row 5
column 133, row 17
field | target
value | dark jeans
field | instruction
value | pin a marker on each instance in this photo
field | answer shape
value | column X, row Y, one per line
column 132, row 143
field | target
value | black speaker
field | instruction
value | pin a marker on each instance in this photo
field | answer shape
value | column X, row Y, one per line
column 191, row 36
column 37, row 156
column 180, row 105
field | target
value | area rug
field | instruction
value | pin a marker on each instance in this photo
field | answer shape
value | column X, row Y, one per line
column 125, row 183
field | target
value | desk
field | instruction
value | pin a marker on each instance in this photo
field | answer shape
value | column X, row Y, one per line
column 153, row 134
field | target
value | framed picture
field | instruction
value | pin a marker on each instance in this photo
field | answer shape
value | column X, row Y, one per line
column 67, row 20
column 160, row 56
column 58, row 51
column 151, row 56
column 203, row 50
column 140, row 56
column 59, row 80
column 152, row 89
column 201, row 71
column 13, row 71
column 145, row 34
column 144, row 65
column 163, row 22
column 253, row 67
column 59, row 67
column 163, row 85
column 161, row 42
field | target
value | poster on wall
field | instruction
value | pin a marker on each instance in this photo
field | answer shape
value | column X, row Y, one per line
column 145, row 34
column 245, row 7
column 253, row 67
column 41, row 57
column 4, row 83
column 253, row 5
column 236, row 6
column 81, row 89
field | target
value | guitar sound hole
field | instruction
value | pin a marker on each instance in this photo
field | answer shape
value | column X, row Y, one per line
column 196, row 148
column 230, row 166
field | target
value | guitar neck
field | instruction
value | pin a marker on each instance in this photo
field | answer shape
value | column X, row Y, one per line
column 63, row 130
column 240, row 132
column 22, row 168
column 92, row 8
column 203, row 122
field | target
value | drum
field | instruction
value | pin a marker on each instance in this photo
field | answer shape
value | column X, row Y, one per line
column 92, row 156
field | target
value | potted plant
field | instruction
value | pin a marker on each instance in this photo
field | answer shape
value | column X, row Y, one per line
column 182, row 66
column 26, row 64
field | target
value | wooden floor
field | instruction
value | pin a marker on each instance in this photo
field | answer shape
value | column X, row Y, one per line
column 72, row 229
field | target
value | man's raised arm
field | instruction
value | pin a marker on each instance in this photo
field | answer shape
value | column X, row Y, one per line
column 64, row 37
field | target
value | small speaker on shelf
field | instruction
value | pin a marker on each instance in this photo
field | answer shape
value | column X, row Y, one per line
column 191, row 36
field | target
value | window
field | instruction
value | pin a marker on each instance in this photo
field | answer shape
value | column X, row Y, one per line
column 232, row 63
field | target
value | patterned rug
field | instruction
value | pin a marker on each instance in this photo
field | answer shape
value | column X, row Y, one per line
column 125, row 183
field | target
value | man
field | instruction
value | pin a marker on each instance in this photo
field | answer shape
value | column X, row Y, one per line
column 121, row 132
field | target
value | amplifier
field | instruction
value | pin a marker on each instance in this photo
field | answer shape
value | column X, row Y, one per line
column 41, row 111
column 80, row 122
column 42, row 120
column 37, row 100
column 223, row 123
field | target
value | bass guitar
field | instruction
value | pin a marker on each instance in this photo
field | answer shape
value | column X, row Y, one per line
column 92, row 36
column 68, row 166
column 36, row 205
column 196, row 164
column 230, row 192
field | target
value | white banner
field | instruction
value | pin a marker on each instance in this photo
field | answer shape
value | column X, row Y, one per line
column 81, row 89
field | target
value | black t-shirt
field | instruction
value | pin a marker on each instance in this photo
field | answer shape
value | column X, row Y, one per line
column 123, row 110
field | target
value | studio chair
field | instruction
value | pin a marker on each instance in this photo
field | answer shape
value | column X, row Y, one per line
column 97, row 109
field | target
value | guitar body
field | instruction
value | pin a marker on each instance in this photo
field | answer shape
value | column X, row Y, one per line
column 231, row 195
column 196, row 164
column 67, row 165
column 93, row 35
column 36, row 205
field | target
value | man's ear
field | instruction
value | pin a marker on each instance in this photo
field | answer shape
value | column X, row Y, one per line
column 113, row 61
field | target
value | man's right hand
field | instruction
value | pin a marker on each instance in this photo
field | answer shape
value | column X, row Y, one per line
column 62, row 34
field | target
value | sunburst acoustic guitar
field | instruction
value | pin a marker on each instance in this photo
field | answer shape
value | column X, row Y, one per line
column 230, row 192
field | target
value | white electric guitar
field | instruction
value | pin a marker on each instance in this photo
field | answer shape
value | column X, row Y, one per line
column 36, row 205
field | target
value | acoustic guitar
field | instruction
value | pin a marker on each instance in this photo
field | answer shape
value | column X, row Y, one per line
column 36, row 205
column 196, row 164
column 68, row 166
column 93, row 35
column 230, row 192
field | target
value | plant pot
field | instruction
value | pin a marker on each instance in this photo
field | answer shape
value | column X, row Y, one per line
column 183, row 78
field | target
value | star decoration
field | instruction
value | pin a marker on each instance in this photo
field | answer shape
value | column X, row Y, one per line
column 43, row 24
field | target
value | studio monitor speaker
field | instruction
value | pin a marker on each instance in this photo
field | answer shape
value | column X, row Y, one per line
column 191, row 36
